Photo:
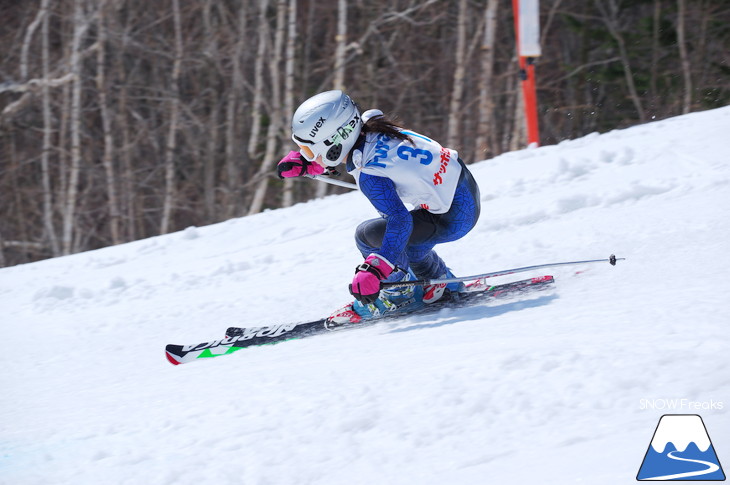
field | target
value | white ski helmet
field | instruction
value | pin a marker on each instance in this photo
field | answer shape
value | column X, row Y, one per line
column 327, row 124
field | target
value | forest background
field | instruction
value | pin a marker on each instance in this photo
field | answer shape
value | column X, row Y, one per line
column 125, row 119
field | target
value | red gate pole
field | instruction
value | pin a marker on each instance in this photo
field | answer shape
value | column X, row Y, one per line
column 529, row 87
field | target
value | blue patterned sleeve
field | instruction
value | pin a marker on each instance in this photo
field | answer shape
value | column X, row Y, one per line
column 381, row 193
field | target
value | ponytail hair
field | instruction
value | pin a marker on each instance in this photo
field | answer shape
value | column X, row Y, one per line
column 376, row 122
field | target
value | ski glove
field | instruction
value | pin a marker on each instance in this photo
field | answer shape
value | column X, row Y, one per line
column 368, row 276
column 295, row 165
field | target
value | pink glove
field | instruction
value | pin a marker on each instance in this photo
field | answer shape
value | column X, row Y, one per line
column 366, row 283
column 295, row 165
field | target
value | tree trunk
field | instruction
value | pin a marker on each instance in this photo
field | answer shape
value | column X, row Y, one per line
column 63, row 155
column 484, row 147
column 274, row 129
column 107, row 157
column 457, row 89
column 49, row 228
column 258, row 93
column 169, row 198
column 519, row 126
column 69, row 212
column 235, row 96
column 339, row 68
column 684, row 56
column 40, row 17
column 210, row 159
column 129, row 188
column 288, row 196
column 209, row 155
column 340, row 45
column 2, row 251
column 655, row 49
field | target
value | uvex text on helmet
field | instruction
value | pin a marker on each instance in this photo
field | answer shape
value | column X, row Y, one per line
column 326, row 124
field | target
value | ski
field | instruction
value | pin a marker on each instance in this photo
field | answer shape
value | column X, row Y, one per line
column 238, row 338
column 475, row 292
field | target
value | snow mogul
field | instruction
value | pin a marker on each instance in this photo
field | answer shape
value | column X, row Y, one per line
column 392, row 166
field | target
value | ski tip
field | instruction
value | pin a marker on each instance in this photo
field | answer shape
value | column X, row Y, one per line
column 171, row 358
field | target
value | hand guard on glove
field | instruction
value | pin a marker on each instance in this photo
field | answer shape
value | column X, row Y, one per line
column 295, row 165
column 368, row 278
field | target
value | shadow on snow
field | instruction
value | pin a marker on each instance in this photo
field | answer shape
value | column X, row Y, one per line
column 458, row 315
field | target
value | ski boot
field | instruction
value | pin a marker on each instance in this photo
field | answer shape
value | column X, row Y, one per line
column 391, row 300
column 434, row 293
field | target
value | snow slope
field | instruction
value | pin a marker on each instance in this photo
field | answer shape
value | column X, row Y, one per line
column 549, row 390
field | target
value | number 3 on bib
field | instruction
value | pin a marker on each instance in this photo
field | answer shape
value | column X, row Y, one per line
column 423, row 156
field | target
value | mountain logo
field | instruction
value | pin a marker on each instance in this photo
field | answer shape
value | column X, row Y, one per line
column 680, row 450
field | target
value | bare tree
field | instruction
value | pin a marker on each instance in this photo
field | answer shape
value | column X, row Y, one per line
column 682, row 43
column 49, row 227
column 235, row 99
column 274, row 129
column 656, row 27
column 519, row 125
column 340, row 45
column 106, row 122
column 258, row 88
column 2, row 251
column 340, row 60
column 81, row 24
column 485, row 133
column 209, row 168
column 457, row 90
column 288, row 196
column 169, row 197
column 41, row 15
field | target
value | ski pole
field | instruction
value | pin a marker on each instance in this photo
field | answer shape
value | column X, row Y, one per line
column 612, row 260
column 332, row 181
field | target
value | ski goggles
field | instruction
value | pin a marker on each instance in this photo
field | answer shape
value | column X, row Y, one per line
column 309, row 150
column 329, row 149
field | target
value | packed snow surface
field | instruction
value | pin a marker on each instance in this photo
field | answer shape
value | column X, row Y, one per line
column 560, row 387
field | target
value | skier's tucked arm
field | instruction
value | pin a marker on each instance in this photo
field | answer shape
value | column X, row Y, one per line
column 381, row 193
column 368, row 277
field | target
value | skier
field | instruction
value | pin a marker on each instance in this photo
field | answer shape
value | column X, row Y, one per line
column 392, row 166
